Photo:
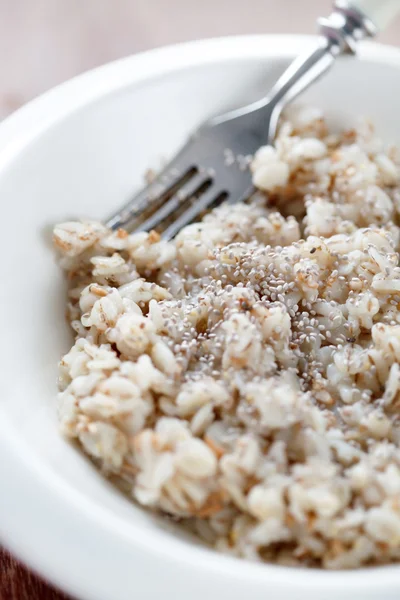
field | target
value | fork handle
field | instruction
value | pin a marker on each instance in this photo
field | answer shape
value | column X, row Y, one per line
column 340, row 33
column 380, row 12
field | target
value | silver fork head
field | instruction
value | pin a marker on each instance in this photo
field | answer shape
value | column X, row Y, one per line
column 213, row 166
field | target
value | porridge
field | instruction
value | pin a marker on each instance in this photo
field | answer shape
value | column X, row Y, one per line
column 244, row 378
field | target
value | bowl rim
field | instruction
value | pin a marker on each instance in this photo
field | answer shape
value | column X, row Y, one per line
column 51, row 500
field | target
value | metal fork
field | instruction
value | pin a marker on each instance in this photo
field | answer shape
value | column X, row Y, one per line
column 214, row 164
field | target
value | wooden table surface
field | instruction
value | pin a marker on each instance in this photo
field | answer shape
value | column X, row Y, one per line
column 18, row 583
column 44, row 42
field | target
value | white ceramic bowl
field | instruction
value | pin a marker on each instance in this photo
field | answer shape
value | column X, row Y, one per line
column 80, row 150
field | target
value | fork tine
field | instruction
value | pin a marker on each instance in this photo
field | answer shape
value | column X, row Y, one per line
column 212, row 194
column 168, row 208
column 165, row 183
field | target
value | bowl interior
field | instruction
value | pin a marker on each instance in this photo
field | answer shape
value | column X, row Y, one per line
column 85, row 165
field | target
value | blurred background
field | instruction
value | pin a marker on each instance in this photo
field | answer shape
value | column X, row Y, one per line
column 44, row 42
